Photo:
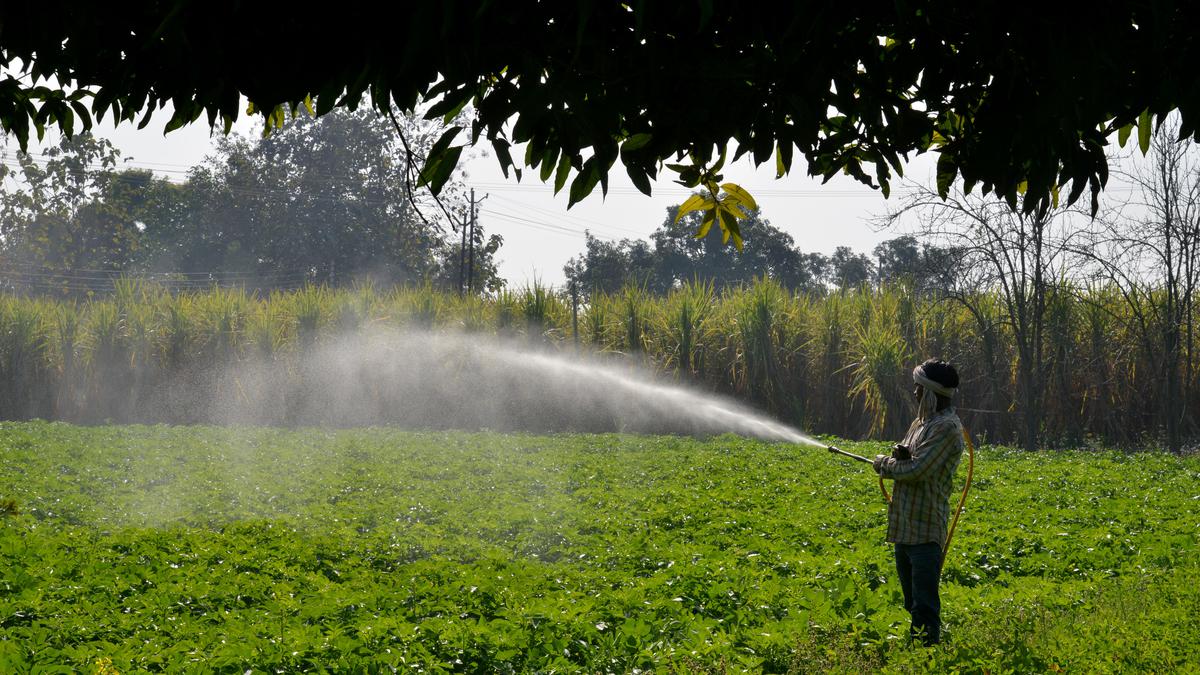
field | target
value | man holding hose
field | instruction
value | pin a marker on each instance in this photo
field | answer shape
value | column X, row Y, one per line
column 923, row 468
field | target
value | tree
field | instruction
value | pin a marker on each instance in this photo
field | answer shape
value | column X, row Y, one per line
column 678, row 256
column 320, row 200
column 1007, row 99
column 323, row 200
column 1012, row 256
column 769, row 252
column 1149, row 249
column 67, row 212
column 450, row 259
column 848, row 270
column 925, row 267
column 607, row 266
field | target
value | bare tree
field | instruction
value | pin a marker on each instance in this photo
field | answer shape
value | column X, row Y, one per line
column 1148, row 247
column 1006, row 255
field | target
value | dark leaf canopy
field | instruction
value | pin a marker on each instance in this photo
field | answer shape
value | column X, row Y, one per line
column 1017, row 98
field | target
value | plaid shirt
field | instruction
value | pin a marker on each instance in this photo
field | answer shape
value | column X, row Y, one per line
column 920, row 505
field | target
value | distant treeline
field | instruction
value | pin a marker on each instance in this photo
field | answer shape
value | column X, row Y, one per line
column 315, row 202
column 833, row 363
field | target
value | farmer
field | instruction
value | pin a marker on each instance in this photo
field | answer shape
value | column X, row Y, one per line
column 923, row 467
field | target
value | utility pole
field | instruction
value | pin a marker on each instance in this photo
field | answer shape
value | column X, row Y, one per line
column 575, row 312
column 471, row 263
column 462, row 254
column 471, row 244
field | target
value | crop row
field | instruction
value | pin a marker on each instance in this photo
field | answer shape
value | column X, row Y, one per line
column 202, row 548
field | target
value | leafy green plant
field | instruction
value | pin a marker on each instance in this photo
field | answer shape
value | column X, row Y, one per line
column 310, row 310
column 535, row 301
column 370, row 549
column 821, row 361
column 880, row 359
column 635, row 312
column 506, row 311
column 684, row 323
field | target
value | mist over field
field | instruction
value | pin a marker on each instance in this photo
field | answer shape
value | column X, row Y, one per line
column 425, row 380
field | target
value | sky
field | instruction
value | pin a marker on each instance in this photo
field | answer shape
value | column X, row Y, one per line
column 541, row 234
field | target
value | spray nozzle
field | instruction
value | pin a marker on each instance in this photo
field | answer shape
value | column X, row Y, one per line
column 838, row 451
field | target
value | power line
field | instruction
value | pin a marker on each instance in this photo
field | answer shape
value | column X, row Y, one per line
column 542, row 225
column 568, row 216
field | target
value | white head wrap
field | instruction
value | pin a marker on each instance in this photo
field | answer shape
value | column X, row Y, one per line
column 928, row 403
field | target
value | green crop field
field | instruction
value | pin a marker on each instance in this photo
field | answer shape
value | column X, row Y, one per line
column 235, row 550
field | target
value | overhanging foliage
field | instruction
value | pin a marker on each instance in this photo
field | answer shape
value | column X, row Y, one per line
column 1016, row 99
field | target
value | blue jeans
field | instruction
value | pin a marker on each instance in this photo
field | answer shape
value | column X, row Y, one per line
column 919, row 566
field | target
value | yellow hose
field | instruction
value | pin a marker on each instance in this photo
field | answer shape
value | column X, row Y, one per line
column 963, row 499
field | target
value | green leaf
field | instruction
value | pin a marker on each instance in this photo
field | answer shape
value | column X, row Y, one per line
column 729, row 229
column 635, row 142
column 177, row 121
column 1123, row 134
column 689, row 176
column 532, row 156
column 720, row 162
column 1144, row 128
column 694, row 203
column 326, row 100
column 947, row 171
column 640, row 180
column 732, row 206
column 548, row 160
column 454, row 112
column 141, row 123
column 706, row 224
column 82, row 112
column 563, row 172
column 503, row 155
column 66, row 120
column 584, row 182
column 740, row 195
column 439, row 148
column 435, row 174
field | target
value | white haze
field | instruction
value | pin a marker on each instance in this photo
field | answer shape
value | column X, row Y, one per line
column 426, row 380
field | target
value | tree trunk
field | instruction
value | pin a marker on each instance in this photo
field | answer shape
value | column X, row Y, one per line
column 1030, row 416
column 1171, row 404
